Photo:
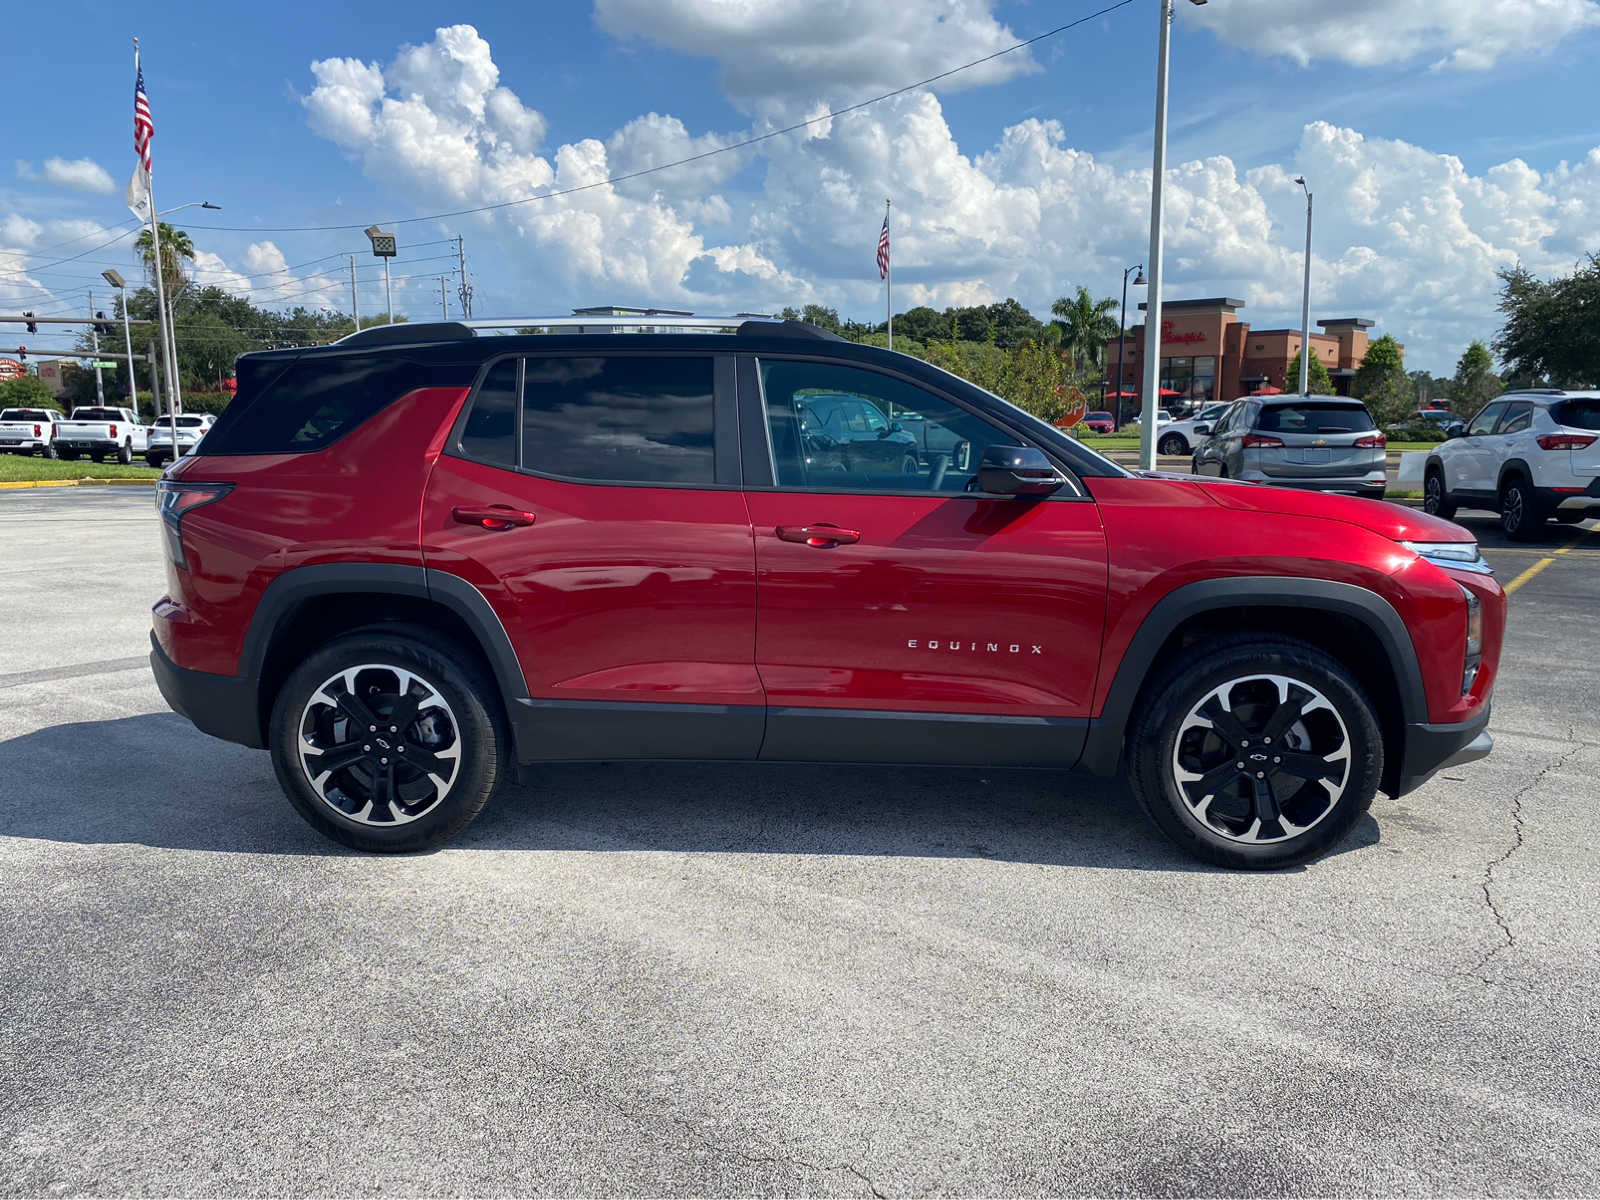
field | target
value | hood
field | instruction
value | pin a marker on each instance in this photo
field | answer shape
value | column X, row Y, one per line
column 1393, row 521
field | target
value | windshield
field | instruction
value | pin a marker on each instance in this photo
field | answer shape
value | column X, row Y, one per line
column 1578, row 414
column 96, row 414
column 1315, row 418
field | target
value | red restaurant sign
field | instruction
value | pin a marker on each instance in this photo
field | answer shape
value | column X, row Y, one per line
column 1189, row 338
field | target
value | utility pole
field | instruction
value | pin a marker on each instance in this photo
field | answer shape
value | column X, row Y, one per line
column 355, row 302
column 94, row 342
column 154, row 359
column 1305, row 301
column 1151, row 400
column 444, row 299
column 466, row 288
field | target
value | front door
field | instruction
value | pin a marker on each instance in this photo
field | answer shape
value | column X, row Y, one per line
column 901, row 615
column 593, row 499
column 1473, row 466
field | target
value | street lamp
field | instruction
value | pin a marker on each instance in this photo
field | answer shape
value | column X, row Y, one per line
column 167, row 322
column 1152, row 328
column 383, row 247
column 1305, row 301
column 1122, row 335
column 115, row 279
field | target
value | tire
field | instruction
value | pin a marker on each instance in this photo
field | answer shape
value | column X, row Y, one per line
column 1436, row 500
column 98, row 456
column 155, row 460
column 1235, row 679
column 909, row 465
column 348, row 804
column 1172, row 444
column 125, row 453
column 49, row 451
column 1520, row 514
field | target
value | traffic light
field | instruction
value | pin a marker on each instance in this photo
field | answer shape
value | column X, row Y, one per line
column 32, row 328
column 22, row 351
column 101, row 325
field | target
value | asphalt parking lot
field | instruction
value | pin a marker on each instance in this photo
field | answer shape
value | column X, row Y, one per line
column 759, row 979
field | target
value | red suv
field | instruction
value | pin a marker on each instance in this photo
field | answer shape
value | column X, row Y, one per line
column 411, row 561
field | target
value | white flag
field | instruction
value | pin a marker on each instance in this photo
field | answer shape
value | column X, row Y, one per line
column 138, row 197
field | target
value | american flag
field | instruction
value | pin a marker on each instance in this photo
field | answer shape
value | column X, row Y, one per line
column 143, row 127
column 883, row 249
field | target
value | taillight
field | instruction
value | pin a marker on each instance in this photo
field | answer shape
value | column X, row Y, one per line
column 1565, row 441
column 113, row 432
column 1253, row 441
column 37, row 432
column 174, row 499
column 1373, row 441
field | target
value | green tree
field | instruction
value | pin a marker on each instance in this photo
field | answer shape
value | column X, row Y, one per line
column 822, row 318
column 27, row 391
column 176, row 249
column 1381, row 382
column 1551, row 333
column 1475, row 383
column 1086, row 326
column 1317, row 379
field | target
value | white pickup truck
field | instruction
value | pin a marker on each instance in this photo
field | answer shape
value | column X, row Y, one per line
column 191, row 428
column 29, row 431
column 99, row 432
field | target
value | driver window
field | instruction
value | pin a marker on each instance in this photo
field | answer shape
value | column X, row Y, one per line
column 900, row 438
column 1484, row 422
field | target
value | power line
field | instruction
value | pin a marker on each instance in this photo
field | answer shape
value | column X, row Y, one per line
column 693, row 158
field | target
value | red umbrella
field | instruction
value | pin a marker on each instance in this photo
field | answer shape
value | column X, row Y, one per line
column 1170, row 392
column 1266, row 389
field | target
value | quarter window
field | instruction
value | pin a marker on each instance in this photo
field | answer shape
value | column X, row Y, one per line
column 838, row 428
column 623, row 419
column 490, row 434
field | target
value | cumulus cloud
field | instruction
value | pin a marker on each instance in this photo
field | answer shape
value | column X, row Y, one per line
column 775, row 55
column 1459, row 34
column 83, row 174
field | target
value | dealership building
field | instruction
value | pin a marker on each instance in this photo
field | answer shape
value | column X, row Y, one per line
column 1208, row 353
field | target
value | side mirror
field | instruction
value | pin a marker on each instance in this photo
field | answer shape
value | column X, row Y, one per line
column 1455, row 429
column 1017, row 471
column 1202, row 430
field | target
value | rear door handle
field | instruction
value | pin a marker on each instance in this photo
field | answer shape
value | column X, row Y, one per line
column 820, row 536
column 496, row 516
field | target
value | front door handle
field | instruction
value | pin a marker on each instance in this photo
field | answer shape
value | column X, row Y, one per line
column 819, row 536
column 496, row 516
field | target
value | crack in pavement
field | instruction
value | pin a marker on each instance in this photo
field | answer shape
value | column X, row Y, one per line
column 1486, row 884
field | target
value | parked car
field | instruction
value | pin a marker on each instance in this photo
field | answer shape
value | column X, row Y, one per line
column 851, row 435
column 1441, row 416
column 191, row 428
column 409, row 561
column 1325, row 443
column 1181, row 437
column 1163, row 417
column 1100, row 422
column 99, row 432
column 1529, row 456
column 29, row 431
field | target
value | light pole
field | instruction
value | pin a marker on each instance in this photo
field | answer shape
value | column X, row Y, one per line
column 1305, row 301
column 1152, row 327
column 1122, row 334
column 167, row 321
column 383, row 247
column 115, row 279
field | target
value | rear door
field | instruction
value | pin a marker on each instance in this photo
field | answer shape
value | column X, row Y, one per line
column 907, row 617
column 593, row 498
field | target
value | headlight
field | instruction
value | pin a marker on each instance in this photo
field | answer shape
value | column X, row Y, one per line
column 1458, row 556
column 1474, row 656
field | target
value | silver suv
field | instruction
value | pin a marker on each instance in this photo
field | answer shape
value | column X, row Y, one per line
column 1327, row 443
column 1527, row 455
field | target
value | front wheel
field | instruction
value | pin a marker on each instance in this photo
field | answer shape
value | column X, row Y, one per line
column 389, row 740
column 1436, row 500
column 1173, row 444
column 1256, row 752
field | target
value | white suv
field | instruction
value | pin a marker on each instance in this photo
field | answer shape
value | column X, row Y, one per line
column 1527, row 455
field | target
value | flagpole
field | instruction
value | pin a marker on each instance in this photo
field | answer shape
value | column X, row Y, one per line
column 888, row 276
column 168, row 356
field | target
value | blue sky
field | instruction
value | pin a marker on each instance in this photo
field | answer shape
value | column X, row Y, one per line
column 1022, row 178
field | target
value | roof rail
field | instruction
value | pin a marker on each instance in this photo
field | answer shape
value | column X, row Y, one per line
column 449, row 331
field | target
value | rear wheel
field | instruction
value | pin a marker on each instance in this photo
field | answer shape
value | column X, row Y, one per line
column 1520, row 516
column 49, row 451
column 1256, row 752
column 1173, row 444
column 1435, row 498
column 125, row 453
column 389, row 740
column 155, row 460
column 909, row 465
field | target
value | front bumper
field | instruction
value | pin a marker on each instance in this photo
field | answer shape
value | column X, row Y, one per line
column 225, row 706
column 1429, row 749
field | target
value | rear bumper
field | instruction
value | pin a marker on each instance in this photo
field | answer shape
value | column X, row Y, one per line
column 1429, row 749
column 1585, row 500
column 225, row 706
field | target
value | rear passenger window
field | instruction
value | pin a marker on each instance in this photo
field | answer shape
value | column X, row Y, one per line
column 624, row 419
column 490, row 434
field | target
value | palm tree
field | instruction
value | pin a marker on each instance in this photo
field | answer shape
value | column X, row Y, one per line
column 175, row 249
column 1086, row 326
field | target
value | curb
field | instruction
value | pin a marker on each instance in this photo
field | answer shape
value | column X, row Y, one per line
column 26, row 484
